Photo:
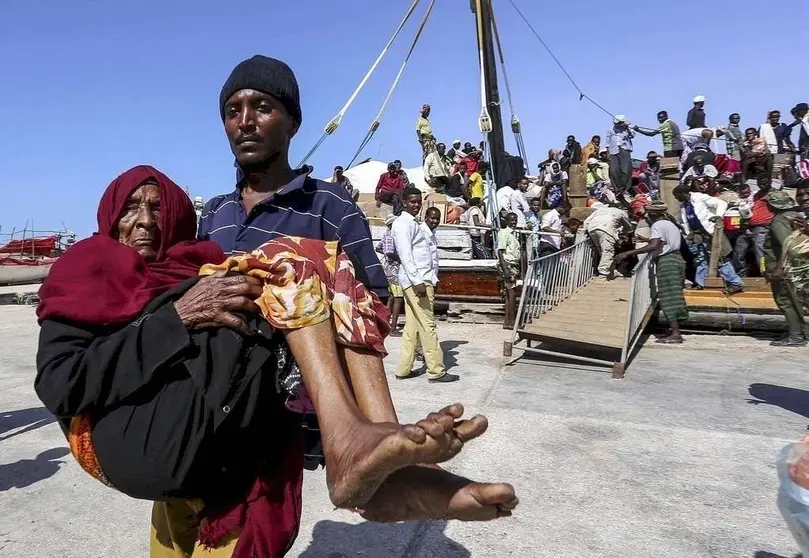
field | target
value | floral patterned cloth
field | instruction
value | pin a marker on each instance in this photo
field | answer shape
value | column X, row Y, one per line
column 308, row 281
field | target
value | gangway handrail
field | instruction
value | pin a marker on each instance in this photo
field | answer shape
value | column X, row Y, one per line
column 552, row 279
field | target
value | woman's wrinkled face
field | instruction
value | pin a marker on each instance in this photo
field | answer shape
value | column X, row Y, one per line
column 139, row 226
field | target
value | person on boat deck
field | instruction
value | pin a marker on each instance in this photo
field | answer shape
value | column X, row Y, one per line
column 734, row 137
column 800, row 113
column 776, row 133
column 474, row 218
column 389, row 189
column 342, row 180
column 458, row 183
column 533, row 220
column 696, row 116
column 590, row 150
column 455, row 151
column 155, row 376
column 756, row 156
column 605, row 226
column 619, row 143
column 700, row 169
column 552, row 223
column 571, row 155
column 418, row 277
column 390, row 262
column 783, row 293
column 697, row 143
column 510, row 200
column 509, row 256
column 476, row 187
column 664, row 246
column 556, row 181
column 436, row 168
column 754, row 229
column 670, row 132
column 424, row 132
column 698, row 215
column 650, row 173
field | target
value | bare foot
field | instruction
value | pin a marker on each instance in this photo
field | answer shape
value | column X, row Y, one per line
column 359, row 462
column 422, row 493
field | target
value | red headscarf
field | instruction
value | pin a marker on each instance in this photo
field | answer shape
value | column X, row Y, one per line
column 101, row 281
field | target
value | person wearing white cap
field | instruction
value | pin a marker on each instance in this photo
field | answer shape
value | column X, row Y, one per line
column 455, row 151
column 696, row 116
column 619, row 143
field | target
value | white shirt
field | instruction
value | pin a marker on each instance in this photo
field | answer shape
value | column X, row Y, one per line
column 609, row 219
column 468, row 217
column 705, row 208
column 552, row 220
column 430, row 234
column 669, row 234
column 707, row 170
column 513, row 201
column 415, row 252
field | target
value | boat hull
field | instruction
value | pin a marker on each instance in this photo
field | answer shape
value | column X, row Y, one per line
column 20, row 274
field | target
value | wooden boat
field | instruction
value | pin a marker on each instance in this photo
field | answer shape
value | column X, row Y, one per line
column 29, row 259
column 20, row 271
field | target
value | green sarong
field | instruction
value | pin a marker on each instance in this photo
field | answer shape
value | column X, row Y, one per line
column 670, row 275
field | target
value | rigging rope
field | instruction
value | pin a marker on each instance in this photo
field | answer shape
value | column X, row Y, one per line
column 582, row 94
column 375, row 124
column 334, row 123
column 515, row 122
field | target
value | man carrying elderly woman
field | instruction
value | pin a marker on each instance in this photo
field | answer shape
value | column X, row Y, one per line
column 166, row 364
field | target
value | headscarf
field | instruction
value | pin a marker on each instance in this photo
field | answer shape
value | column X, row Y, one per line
column 100, row 281
column 639, row 203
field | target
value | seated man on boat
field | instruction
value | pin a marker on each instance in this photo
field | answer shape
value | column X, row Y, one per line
column 390, row 188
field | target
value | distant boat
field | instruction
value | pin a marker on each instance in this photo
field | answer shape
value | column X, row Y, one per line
column 28, row 259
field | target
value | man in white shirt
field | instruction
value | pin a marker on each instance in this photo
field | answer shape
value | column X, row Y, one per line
column 664, row 246
column 698, row 215
column 510, row 200
column 552, row 223
column 604, row 227
column 418, row 276
column 700, row 170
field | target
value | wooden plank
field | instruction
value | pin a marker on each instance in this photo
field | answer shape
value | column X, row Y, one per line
column 576, row 336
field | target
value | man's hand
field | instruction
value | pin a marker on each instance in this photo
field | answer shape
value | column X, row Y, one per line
column 420, row 290
column 215, row 299
column 378, row 204
column 621, row 257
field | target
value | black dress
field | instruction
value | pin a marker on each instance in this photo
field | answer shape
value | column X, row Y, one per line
column 175, row 414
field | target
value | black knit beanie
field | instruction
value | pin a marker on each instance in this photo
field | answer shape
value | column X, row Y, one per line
column 267, row 75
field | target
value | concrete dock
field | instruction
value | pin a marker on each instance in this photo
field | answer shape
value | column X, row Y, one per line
column 676, row 460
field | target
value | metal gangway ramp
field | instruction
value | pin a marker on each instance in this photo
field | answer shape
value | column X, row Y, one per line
column 566, row 311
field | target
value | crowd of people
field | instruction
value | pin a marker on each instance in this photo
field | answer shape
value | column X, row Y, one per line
column 735, row 197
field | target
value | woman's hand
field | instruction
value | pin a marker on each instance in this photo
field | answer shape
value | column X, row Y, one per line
column 214, row 299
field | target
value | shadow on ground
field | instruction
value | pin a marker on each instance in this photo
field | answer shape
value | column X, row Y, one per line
column 449, row 349
column 332, row 539
column 763, row 554
column 30, row 419
column 26, row 472
column 791, row 399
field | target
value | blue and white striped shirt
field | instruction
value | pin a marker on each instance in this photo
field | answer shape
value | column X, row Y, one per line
column 305, row 207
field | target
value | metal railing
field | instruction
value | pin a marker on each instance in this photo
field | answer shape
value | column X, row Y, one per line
column 642, row 302
column 552, row 279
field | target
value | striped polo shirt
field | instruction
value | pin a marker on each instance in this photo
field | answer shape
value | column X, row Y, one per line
column 305, row 207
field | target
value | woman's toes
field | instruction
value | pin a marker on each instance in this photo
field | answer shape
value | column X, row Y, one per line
column 470, row 429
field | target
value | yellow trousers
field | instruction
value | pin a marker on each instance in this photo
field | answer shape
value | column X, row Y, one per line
column 174, row 533
column 420, row 326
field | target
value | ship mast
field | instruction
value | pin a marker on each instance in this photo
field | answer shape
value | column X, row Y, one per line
column 483, row 20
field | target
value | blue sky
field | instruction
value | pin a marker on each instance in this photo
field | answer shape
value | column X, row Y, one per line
column 91, row 88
